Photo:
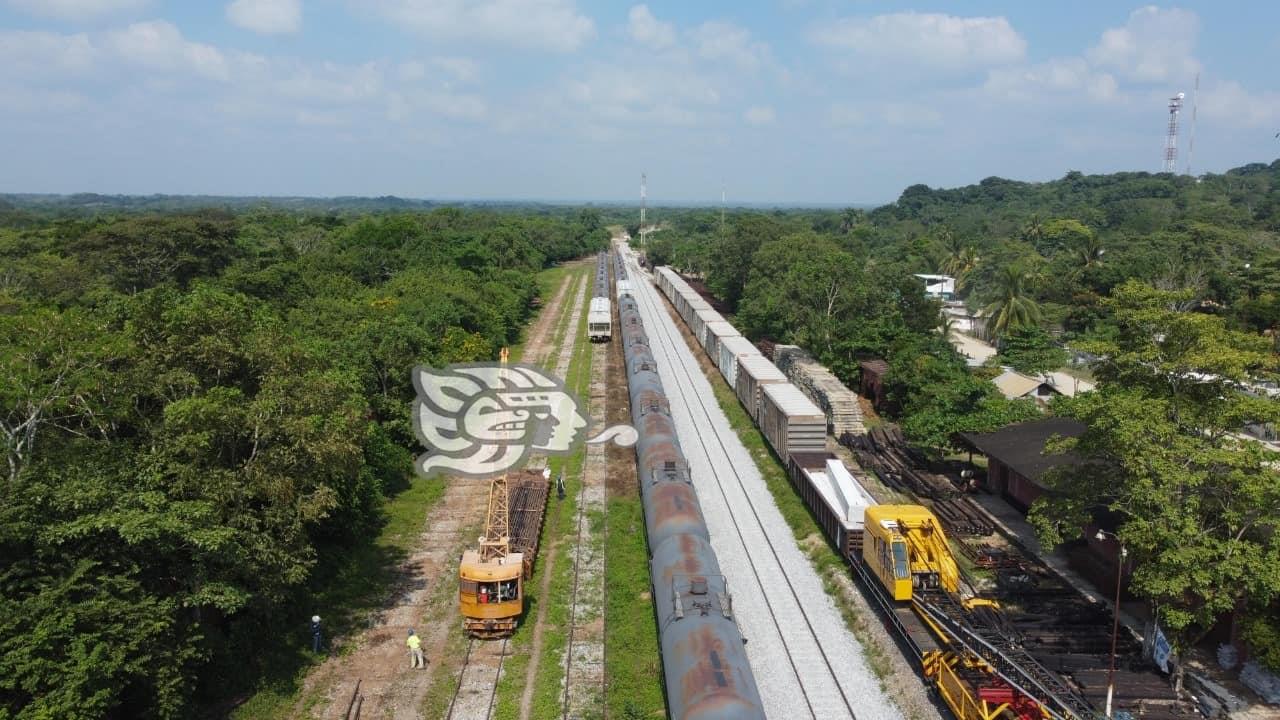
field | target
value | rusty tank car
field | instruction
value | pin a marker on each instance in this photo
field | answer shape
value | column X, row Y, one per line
column 704, row 660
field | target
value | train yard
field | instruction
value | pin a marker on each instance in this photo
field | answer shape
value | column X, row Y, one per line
column 806, row 663
column 1032, row 653
column 745, row 627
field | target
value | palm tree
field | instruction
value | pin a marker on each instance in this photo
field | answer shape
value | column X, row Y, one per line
column 1013, row 306
column 946, row 324
column 1090, row 253
column 1033, row 232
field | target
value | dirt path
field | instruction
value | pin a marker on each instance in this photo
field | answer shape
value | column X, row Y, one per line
column 379, row 660
column 561, row 369
column 541, row 338
column 421, row 599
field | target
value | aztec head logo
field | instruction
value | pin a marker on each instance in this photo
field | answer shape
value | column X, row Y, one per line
column 483, row 419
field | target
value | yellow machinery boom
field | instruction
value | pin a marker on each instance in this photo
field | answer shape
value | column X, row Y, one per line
column 979, row 673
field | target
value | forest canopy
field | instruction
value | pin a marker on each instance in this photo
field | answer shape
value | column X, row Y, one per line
column 201, row 412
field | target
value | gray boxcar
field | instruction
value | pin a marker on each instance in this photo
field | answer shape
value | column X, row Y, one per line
column 791, row 422
column 755, row 371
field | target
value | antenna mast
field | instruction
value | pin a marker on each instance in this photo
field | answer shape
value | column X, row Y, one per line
column 644, row 192
column 1171, row 139
column 721, row 209
column 1191, row 144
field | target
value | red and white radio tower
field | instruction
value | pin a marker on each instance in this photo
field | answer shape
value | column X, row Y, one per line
column 1171, row 140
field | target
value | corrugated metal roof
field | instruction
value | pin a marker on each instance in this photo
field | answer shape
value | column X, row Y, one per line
column 1015, row 385
column 720, row 328
column 738, row 345
column 759, row 367
column 709, row 316
column 793, row 403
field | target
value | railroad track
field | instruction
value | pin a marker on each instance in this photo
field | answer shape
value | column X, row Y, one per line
column 465, row 710
column 585, row 674
column 810, row 677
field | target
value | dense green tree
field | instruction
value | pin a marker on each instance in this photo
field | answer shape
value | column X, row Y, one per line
column 733, row 251
column 1196, row 504
column 1029, row 349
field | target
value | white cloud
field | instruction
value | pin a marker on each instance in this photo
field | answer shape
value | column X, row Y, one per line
column 458, row 69
column 723, row 41
column 647, row 30
column 450, row 70
column 884, row 113
column 637, row 93
column 1062, row 78
column 159, row 45
column 1230, row 104
column 843, row 114
column 455, row 106
column 328, row 83
column 760, row 115
column 268, row 17
column 931, row 39
column 554, row 25
column 76, row 10
column 26, row 54
column 1155, row 45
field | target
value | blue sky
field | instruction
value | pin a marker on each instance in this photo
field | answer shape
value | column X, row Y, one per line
column 776, row 101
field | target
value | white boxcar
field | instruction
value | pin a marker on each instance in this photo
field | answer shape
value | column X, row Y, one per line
column 691, row 308
column 599, row 319
column 701, row 318
column 727, row 353
column 713, row 331
column 622, row 287
column 791, row 422
column 665, row 278
column 754, row 372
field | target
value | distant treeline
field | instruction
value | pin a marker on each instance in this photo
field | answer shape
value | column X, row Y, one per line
column 1036, row 259
column 200, row 415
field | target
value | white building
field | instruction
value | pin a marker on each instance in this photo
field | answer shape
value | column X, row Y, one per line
column 942, row 287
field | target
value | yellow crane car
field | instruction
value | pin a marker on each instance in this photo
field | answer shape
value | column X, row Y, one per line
column 491, row 577
column 981, row 675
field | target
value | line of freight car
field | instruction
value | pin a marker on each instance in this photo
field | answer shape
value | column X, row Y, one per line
column 704, row 663
column 790, row 422
column 600, row 312
column 796, row 429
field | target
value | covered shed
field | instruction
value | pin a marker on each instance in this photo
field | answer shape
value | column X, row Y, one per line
column 1016, row 460
column 872, row 387
column 1014, row 385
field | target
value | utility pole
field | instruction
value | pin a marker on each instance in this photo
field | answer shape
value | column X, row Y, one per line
column 1191, row 143
column 1115, row 624
column 1171, row 138
column 722, row 210
column 644, row 192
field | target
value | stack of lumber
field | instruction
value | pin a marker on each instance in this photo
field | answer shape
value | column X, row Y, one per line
column 839, row 403
column 527, row 493
column 963, row 517
column 884, row 451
